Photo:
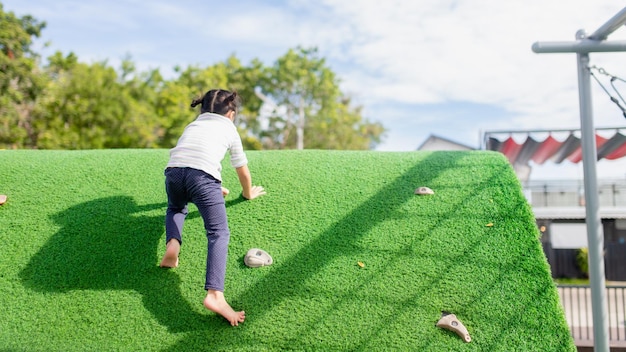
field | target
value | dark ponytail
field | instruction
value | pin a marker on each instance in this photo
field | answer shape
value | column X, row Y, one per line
column 196, row 102
column 218, row 101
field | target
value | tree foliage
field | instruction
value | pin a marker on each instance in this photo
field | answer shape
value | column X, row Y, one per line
column 20, row 78
column 69, row 104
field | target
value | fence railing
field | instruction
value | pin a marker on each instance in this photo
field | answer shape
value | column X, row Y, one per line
column 576, row 302
column 571, row 193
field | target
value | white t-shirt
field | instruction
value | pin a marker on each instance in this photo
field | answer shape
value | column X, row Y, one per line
column 204, row 144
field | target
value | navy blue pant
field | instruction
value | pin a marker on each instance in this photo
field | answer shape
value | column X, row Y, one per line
column 186, row 185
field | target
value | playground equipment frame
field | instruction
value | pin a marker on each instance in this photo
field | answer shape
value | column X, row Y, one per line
column 585, row 44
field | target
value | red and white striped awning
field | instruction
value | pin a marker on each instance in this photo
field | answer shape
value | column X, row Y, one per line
column 551, row 148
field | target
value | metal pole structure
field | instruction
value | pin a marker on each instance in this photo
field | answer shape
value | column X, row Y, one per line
column 583, row 46
column 610, row 26
column 595, row 237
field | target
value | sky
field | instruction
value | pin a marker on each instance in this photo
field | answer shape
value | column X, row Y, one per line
column 451, row 68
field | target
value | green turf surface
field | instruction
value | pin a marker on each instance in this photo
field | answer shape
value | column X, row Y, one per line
column 82, row 236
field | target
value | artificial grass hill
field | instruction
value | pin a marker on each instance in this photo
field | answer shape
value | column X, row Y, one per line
column 83, row 233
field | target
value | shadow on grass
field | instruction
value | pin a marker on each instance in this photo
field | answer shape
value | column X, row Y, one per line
column 111, row 244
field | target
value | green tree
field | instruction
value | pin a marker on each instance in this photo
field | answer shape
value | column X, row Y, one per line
column 141, row 127
column 95, row 106
column 309, row 108
column 85, row 107
column 21, row 81
column 342, row 127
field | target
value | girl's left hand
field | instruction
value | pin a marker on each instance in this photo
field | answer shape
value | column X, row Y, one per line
column 225, row 191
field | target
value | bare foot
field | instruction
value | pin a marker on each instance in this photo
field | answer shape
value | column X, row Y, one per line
column 170, row 258
column 215, row 302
